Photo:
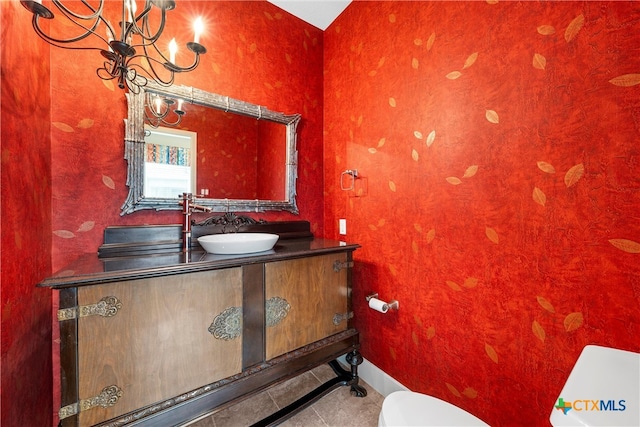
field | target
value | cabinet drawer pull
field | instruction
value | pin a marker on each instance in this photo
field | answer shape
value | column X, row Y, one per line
column 106, row 307
column 277, row 309
column 339, row 317
column 337, row 266
column 227, row 325
column 108, row 397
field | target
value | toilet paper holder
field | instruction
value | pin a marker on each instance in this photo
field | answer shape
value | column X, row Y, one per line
column 391, row 305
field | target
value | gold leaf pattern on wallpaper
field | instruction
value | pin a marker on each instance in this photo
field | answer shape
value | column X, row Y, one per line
column 253, row 48
column 393, row 270
column 626, row 245
column 539, row 61
column 573, row 321
column 418, row 227
column 538, row 330
column 372, row 73
column 470, row 60
column 414, row 155
column 414, row 247
column 471, row 171
column 491, row 234
column 86, row 226
column 392, row 102
column 574, row 28
column 545, row 304
column 415, row 63
column 431, row 138
column 546, row 30
column 287, row 57
column 453, row 390
column 492, row 1
column 417, row 42
column 492, row 116
column 108, row 182
column 539, row 197
column 392, row 18
column 453, row 180
column 626, row 80
column 62, row 126
column 431, row 235
column 268, row 16
column 392, row 186
column 392, row 353
column 216, row 68
column 417, row 134
column 372, row 150
column 381, row 142
column 491, row 352
column 470, row 393
column 574, row 174
column 65, row 234
column 415, row 339
column 85, row 124
column 453, row 75
column 546, row 167
column 470, row 282
column 432, row 39
column 453, row 285
column 431, row 332
column 109, row 85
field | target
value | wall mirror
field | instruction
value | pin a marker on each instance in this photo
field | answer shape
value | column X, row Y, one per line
column 241, row 157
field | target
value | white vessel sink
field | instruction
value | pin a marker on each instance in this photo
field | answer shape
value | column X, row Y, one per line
column 238, row 243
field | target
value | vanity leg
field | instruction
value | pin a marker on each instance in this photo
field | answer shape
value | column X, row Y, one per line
column 354, row 359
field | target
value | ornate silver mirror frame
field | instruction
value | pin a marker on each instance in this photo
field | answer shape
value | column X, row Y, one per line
column 135, row 144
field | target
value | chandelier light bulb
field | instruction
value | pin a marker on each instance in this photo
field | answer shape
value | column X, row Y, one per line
column 173, row 48
column 198, row 28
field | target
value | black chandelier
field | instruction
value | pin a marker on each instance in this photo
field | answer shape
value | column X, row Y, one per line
column 160, row 110
column 132, row 56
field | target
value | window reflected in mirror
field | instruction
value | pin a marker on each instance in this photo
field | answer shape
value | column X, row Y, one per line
column 169, row 164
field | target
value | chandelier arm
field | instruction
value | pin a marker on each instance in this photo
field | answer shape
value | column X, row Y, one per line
column 59, row 42
column 144, row 18
column 151, row 72
column 68, row 12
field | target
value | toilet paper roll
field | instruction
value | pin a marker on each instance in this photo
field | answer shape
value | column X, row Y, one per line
column 378, row 305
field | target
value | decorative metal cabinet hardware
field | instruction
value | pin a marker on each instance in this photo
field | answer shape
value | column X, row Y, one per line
column 277, row 310
column 339, row 317
column 106, row 307
column 227, row 325
column 337, row 266
column 108, row 397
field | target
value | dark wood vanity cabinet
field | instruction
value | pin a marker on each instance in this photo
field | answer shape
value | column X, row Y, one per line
column 167, row 344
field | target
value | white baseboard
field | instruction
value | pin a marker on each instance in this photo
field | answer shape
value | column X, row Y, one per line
column 379, row 380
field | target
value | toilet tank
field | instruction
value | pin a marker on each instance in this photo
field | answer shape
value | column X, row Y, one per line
column 603, row 389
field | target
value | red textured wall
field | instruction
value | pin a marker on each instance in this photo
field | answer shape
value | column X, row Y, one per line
column 255, row 52
column 226, row 153
column 497, row 144
column 26, row 224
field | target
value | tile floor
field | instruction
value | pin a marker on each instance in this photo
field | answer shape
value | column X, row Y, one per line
column 337, row 408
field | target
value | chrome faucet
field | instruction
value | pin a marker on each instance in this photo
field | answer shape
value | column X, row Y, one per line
column 188, row 207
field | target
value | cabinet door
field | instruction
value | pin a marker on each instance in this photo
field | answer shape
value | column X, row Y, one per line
column 314, row 291
column 158, row 344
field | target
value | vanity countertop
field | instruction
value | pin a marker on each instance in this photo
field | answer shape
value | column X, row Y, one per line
column 90, row 269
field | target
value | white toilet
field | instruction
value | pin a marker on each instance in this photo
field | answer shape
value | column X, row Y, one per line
column 406, row 408
column 600, row 374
